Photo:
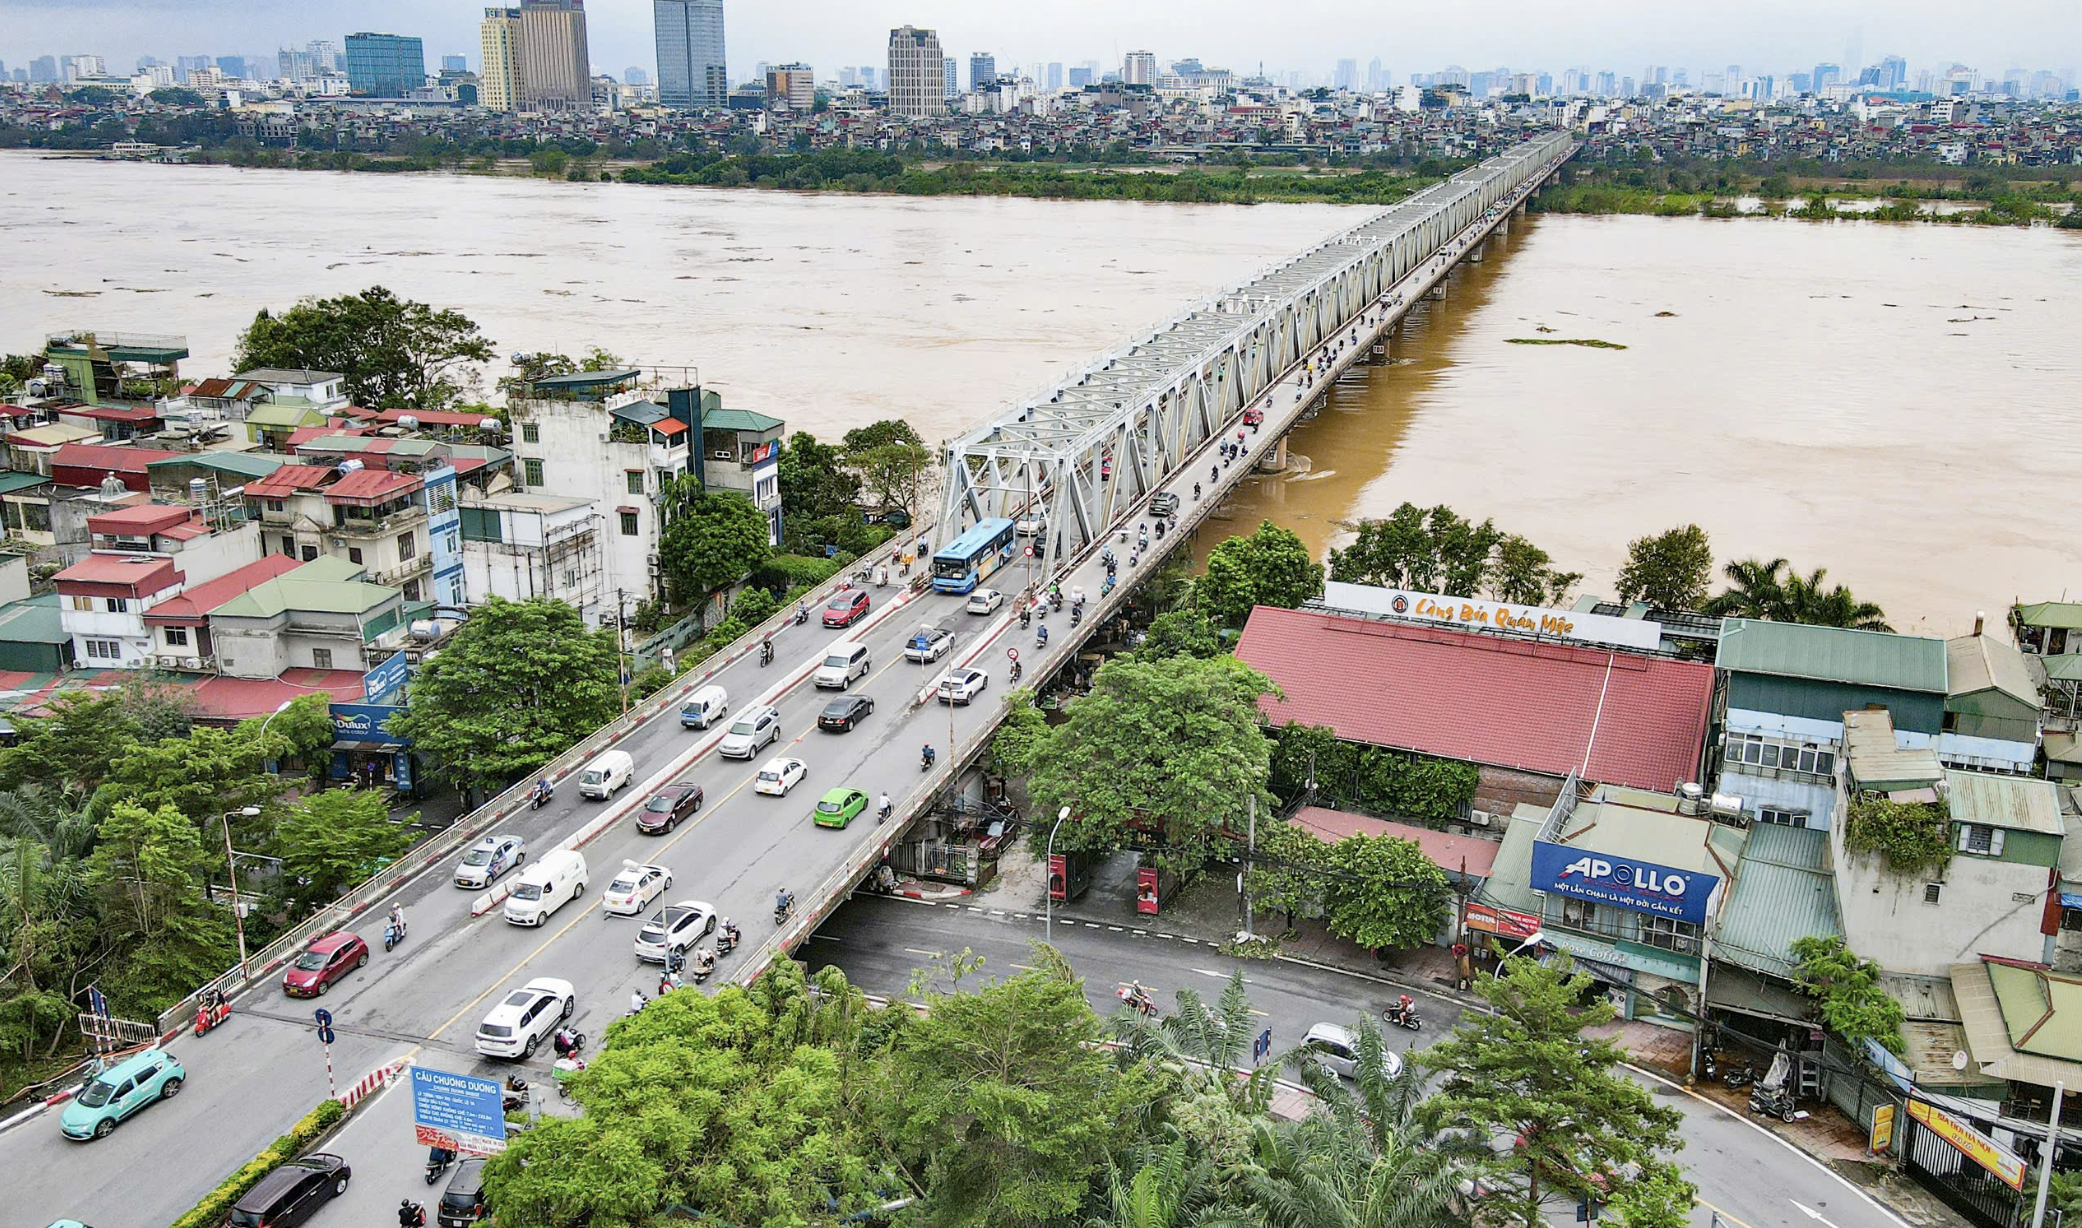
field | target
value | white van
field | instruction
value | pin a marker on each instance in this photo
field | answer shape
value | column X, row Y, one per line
column 843, row 662
column 705, row 707
column 607, row 775
column 754, row 728
column 545, row 886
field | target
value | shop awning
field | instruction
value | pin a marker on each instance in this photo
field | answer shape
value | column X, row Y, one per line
column 372, row 747
column 1744, row 992
column 1618, row 964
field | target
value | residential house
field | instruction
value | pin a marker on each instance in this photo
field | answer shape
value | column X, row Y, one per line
column 1992, row 706
column 270, row 426
column 1788, row 685
column 2047, row 628
column 180, row 625
column 31, row 450
column 317, row 616
column 741, row 451
column 99, row 367
column 33, row 638
column 142, row 555
column 400, row 526
column 522, row 546
column 83, row 464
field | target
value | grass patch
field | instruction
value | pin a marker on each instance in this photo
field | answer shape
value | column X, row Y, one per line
column 1588, row 342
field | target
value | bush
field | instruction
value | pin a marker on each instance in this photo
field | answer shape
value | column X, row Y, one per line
column 789, row 572
column 216, row 1205
column 1912, row 838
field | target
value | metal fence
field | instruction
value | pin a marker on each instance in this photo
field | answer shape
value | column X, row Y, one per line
column 1958, row 1182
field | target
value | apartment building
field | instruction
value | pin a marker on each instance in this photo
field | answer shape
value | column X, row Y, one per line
column 522, row 546
column 141, row 556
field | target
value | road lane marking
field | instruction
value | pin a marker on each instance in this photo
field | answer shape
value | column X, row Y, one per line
column 1723, row 1214
column 927, row 954
column 1024, row 967
column 1260, row 1014
column 828, row 937
column 1811, row 1213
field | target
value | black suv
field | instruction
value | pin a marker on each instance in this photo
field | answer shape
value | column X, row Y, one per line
column 292, row 1193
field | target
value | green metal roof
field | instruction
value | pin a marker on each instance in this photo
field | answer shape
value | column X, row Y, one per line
column 582, row 380
column 737, row 420
column 33, row 621
column 2066, row 614
column 2067, row 667
column 2042, row 1011
column 1783, row 891
column 1509, row 884
column 281, row 415
column 2018, row 803
column 12, row 482
column 1832, row 654
column 238, row 464
column 319, row 586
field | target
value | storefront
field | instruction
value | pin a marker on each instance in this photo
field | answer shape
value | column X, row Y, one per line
column 370, row 756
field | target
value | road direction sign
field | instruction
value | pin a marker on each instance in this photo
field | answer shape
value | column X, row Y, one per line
column 457, row 1111
column 323, row 1016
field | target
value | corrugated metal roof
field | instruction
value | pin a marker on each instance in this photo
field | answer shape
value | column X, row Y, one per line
column 2066, row 614
column 1832, row 654
column 2018, row 803
column 2067, row 667
column 1448, row 852
column 316, row 586
column 1982, row 662
column 1783, row 892
column 285, row 415
column 33, row 620
column 737, row 420
column 1648, row 826
column 1510, row 876
column 12, row 482
column 238, row 464
column 1877, row 761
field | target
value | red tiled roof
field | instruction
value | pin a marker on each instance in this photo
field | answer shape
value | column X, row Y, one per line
column 113, row 413
column 117, row 575
column 142, row 519
column 108, row 458
column 1448, row 852
column 369, row 486
column 237, row 699
column 668, row 426
column 1486, row 699
column 289, row 479
column 192, row 607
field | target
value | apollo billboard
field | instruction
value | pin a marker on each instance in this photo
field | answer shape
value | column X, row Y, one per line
column 1622, row 882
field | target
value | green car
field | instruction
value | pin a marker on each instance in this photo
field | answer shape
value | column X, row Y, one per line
column 119, row 1091
column 838, row 807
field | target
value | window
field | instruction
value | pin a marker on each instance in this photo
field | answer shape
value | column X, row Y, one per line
column 104, row 650
column 1579, row 914
column 629, row 524
column 570, row 579
column 1782, row 817
column 411, row 590
column 119, row 605
column 531, row 432
column 289, row 545
column 36, row 517
column 321, row 658
column 635, row 477
column 1980, row 838
column 84, row 605
column 1753, row 749
column 407, row 547
column 310, row 553
column 277, row 505
column 177, row 637
column 354, row 554
column 531, row 472
column 1670, row 934
column 2071, row 919
column 452, row 541
column 1931, row 892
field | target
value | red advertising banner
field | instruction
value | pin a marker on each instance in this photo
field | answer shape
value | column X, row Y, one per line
column 1502, row 922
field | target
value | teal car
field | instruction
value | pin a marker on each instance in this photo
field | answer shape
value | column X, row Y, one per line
column 119, row 1091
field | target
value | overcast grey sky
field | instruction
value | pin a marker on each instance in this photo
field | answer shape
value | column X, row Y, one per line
column 1623, row 35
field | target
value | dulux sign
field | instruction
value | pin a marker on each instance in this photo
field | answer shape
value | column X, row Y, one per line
column 362, row 722
column 1622, row 882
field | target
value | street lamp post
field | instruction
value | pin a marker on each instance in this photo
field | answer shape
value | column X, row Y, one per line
column 231, row 862
column 1048, row 901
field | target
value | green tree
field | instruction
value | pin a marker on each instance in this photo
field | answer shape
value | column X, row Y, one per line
column 1669, row 571
column 205, row 775
column 519, row 684
column 1174, row 743
column 1270, row 567
column 1000, row 1105
column 71, row 748
column 1433, row 551
column 715, row 538
column 392, row 351
column 890, row 459
column 1524, row 574
column 1180, row 633
column 1528, row 1070
column 1657, row 1196
column 1757, row 590
column 175, row 96
column 1387, row 893
column 334, row 839
column 1290, row 870
column 1854, row 1005
column 303, row 731
column 815, row 483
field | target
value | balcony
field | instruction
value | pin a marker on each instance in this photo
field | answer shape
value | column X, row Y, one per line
column 1735, row 767
column 386, row 526
column 393, row 577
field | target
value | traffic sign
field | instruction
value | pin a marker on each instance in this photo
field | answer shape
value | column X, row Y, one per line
column 326, row 1035
column 457, row 1111
column 1030, row 551
column 97, row 1001
column 1261, row 1046
column 1012, row 653
column 323, row 1016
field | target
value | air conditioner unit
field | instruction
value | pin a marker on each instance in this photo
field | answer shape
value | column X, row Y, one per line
column 192, row 663
column 1478, row 818
column 339, row 543
column 721, row 454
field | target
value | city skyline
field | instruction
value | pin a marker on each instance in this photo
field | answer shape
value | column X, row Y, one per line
column 1772, row 36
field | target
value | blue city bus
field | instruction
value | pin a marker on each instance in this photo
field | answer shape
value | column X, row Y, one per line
column 970, row 559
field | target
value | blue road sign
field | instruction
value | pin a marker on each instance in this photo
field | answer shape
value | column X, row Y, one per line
column 326, row 1035
column 323, row 1016
column 457, row 1111
column 1261, row 1046
column 97, row 1001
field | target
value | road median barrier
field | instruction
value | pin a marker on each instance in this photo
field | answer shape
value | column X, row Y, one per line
column 215, row 1206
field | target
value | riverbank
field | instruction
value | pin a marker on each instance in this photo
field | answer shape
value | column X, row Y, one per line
column 2048, row 204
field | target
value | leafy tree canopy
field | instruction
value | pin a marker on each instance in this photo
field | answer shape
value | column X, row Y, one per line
column 715, row 539
column 814, row 480
column 1670, row 570
column 334, row 839
column 1180, row 633
column 1173, row 743
column 392, row 351
column 1524, row 574
column 1432, row 551
column 1757, row 589
column 1270, row 567
column 520, row 683
column 1388, row 893
column 1847, row 988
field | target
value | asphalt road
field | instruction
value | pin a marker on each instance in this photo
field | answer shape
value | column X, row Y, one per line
column 1742, row 1170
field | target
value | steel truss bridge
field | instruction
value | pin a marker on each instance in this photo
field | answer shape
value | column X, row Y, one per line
column 1083, row 453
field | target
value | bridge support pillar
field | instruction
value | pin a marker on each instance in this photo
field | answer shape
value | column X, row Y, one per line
column 1503, row 225
column 1437, row 291
column 1275, row 459
column 1476, row 251
column 1379, row 354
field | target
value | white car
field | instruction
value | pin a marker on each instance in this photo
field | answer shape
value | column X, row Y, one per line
column 674, row 927
column 985, row 601
column 930, row 644
column 962, row 685
column 779, row 776
column 634, row 888
column 1336, row 1049
column 527, row 1017
column 489, row 858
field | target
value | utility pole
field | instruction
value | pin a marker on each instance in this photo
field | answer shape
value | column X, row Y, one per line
column 1250, row 845
column 231, row 862
column 2038, row 1210
column 621, row 643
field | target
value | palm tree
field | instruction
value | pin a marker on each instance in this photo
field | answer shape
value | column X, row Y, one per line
column 1364, row 1158
column 1162, row 1187
column 1754, row 590
column 1207, row 1042
column 1807, row 602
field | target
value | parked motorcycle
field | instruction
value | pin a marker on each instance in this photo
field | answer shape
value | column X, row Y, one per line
column 1742, row 1076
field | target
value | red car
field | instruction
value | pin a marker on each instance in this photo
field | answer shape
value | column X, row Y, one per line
column 326, row 960
column 845, row 609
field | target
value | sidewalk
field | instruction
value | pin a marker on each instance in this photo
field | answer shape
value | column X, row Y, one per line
column 1208, row 910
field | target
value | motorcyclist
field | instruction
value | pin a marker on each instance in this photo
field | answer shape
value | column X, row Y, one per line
column 637, row 1001
column 926, row 756
column 411, row 1215
column 440, row 1157
column 1403, row 1005
column 802, row 612
column 884, row 806
column 704, row 961
column 1015, row 671
column 397, row 918
column 766, row 651
column 565, row 1042
column 1042, row 635
column 729, row 931
column 1196, row 492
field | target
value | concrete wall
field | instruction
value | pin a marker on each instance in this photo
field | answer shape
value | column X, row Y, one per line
column 579, row 461
column 1500, row 790
column 1757, row 791
column 1985, row 907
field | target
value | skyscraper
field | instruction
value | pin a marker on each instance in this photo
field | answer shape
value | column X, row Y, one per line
column 983, row 69
column 950, row 72
column 454, row 63
column 793, row 85
column 1347, row 74
column 498, row 84
column 43, row 68
column 692, row 71
column 917, row 73
column 1080, row 76
column 384, row 65
column 556, row 72
column 1139, row 68
column 1055, row 77
column 325, row 57
column 232, row 66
